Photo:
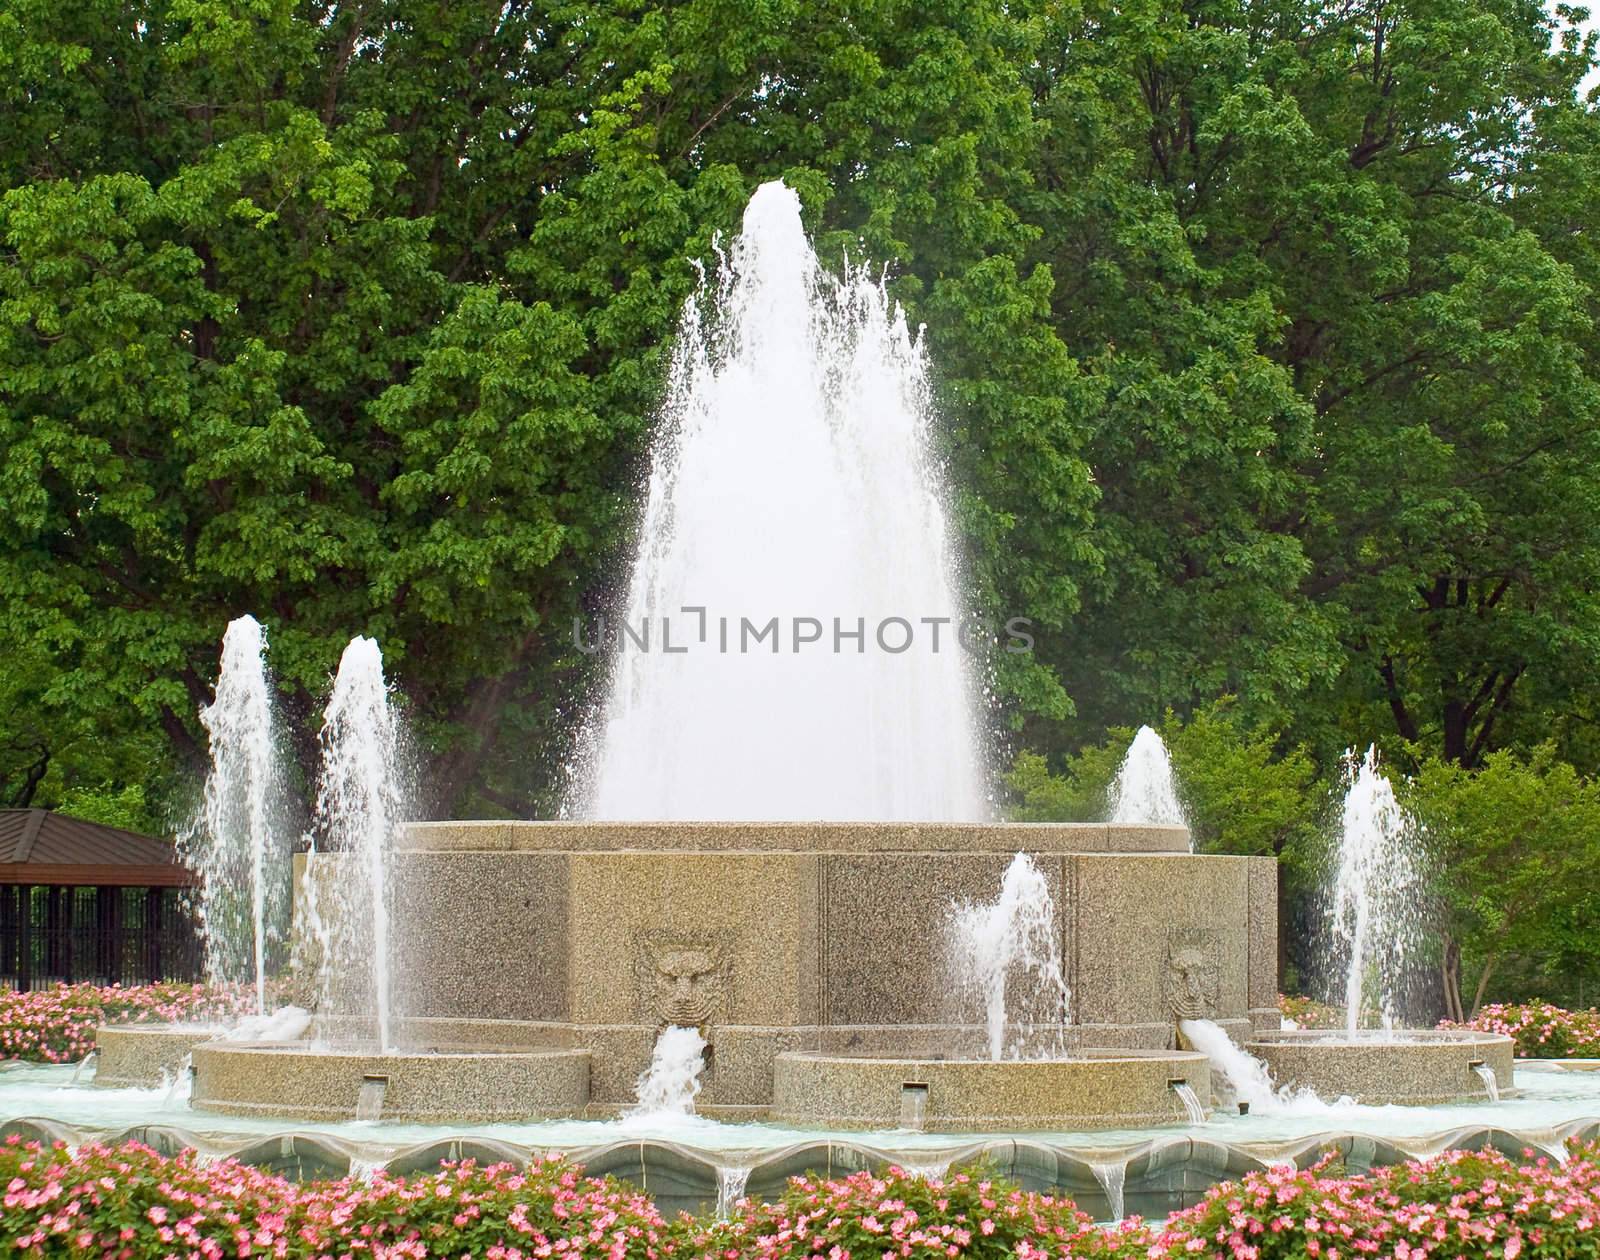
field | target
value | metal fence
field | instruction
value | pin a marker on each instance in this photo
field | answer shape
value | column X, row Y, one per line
column 106, row 935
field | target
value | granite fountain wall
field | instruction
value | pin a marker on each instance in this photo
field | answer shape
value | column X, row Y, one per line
column 801, row 937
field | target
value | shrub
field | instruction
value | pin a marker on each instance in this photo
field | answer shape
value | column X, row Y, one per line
column 57, row 1025
column 1459, row 1204
column 896, row 1213
column 131, row 1203
column 1541, row 1031
column 134, row 1203
column 495, row 1213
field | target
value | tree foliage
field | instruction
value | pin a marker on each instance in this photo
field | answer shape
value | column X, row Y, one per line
column 1515, row 846
column 1264, row 331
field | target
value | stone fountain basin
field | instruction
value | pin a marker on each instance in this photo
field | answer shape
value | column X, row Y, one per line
column 300, row 1079
column 143, row 1056
column 1410, row 1066
column 1096, row 1089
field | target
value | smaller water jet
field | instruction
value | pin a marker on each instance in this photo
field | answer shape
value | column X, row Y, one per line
column 85, row 1064
column 1007, row 954
column 1193, row 1109
column 360, row 805
column 238, row 842
column 1145, row 791
column 1376, row 894
column 1376, row 915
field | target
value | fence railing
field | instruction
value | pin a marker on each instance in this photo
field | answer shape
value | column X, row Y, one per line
column 105, row 935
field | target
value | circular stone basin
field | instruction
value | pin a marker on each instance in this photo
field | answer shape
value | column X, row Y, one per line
column 276, row 1078
column 1412, row 1066
column 1102, row 1089
column 143, row 1056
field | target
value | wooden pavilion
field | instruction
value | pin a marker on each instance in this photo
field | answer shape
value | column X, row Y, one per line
column 83, row 901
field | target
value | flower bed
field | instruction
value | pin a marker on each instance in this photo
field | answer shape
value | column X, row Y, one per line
column 57, row 1025
column 1460, row 1204
column 1541, row 1031
column 897, row 1214
column 1309, row 1013
column 135, row 1204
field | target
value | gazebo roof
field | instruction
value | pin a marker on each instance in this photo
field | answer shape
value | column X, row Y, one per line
column 40, row 846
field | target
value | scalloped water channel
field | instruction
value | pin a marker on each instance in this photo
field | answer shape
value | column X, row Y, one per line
column 681, row 1161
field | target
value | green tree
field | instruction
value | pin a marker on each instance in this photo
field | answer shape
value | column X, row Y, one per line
column 1330, row 267
column 353, row 317
column 1515, row 845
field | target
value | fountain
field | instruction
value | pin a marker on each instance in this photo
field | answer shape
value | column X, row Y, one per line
column 1007, row 956
column 782, row 806
column 773, row 861
column 238, row 844
column 1375, row 912
column 352, row 1065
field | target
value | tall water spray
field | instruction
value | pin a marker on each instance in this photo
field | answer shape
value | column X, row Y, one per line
column 790, row 645
column 1006, row 953
column 1145, row 790
column 1375, row 903
column 360, row 806
column 238, row 840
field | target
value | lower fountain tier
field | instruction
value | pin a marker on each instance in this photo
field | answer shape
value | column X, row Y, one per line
column 1099, row 1089
column 143, row 1056
column 279, row 1078
column 1410, row 1066
column 800, row 937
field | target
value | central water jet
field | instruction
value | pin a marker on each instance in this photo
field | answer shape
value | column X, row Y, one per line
column 793, row 646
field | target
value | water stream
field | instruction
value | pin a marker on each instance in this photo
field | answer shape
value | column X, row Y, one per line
column 1006, row 954
column 238, row 840
column 1374, row 906
column 731, row 1183
column 1245, row 1078
column 1113, row 1180
column 1145, row 790
column 792, row 642
column 671, row 1083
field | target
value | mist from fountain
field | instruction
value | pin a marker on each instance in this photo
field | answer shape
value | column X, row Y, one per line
column 1145, row 790
column 1007, row 955
column 361, row 804
column 1374, row 906
column 238, row 841
column 792, row 483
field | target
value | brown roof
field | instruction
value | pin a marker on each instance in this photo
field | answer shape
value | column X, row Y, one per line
column 40, row 846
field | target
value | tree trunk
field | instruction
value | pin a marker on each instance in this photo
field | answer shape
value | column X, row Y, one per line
column 1489, row 965
column 1450, row 973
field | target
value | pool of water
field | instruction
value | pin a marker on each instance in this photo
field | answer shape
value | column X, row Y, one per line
column 1551, row 1104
